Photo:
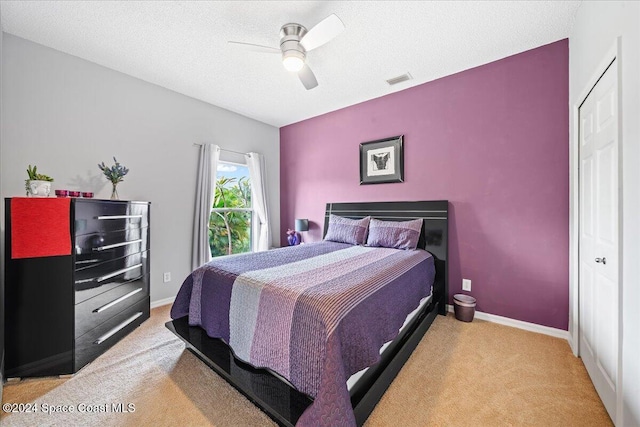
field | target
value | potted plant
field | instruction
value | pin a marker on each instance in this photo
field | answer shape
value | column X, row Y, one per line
column 115, row 174
column 38, row 185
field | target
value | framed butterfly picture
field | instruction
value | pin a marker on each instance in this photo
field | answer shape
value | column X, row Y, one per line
column 382, row 161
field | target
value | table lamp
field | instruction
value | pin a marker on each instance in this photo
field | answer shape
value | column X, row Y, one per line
column 301, row 226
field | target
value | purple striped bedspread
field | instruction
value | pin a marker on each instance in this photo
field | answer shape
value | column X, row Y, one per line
column 314, row 313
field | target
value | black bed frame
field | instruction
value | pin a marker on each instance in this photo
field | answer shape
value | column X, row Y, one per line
column 276, row 396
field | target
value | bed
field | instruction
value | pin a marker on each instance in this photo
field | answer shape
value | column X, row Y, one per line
column 316, row 352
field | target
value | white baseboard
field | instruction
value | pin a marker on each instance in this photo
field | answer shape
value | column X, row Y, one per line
column 162, row 302
column 532, row 327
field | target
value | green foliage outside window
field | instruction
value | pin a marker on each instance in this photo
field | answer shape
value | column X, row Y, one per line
column 230, row 230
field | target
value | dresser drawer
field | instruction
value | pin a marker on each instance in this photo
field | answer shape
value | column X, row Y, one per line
column 98, row 340
column 119, row 270
column 86, row 294
column 91, row 313
column 93, row 216
column 92, row 249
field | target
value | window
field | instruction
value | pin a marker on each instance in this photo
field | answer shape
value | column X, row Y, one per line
column 232, row 216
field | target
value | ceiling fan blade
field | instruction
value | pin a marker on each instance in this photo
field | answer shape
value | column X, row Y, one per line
column 307, row 77
column 324, row 31
column 256, row 47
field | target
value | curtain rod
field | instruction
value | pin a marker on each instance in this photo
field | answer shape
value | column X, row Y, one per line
column 222, row 149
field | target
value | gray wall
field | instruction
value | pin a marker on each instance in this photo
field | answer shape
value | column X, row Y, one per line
column 66, row 115
column 595, row 29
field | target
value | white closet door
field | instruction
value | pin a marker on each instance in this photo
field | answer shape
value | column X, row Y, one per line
column 599, row 237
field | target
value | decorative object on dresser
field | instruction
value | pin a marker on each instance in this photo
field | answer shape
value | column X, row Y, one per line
column 76, row 283
column 382, row 161
column 73, row 193
column 38, row 185
column 115, row 174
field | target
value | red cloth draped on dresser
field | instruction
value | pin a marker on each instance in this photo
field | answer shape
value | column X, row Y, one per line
column 40, row 227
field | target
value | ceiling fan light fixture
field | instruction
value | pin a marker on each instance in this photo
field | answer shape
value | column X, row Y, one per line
column 296, row 41
column 293, row 61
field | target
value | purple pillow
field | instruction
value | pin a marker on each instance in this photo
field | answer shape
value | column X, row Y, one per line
column 394, row 234
column 345, row 230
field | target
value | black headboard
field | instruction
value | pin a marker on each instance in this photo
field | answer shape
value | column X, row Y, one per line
column 434, row 237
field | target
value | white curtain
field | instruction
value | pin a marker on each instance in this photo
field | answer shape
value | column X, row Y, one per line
column 205, row 189
column 262, row 236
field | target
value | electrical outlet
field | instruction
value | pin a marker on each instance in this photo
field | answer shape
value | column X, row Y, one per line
column 466, row 285
column 166, row 277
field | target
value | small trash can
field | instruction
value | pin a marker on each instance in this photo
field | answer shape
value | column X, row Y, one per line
column 464, row 307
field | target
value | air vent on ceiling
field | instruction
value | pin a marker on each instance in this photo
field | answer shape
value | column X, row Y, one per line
column 399, row 79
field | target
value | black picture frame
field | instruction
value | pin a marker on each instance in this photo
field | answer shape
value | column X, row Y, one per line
column 382, row 161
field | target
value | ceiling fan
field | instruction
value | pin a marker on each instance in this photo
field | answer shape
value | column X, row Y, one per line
column 296, row 41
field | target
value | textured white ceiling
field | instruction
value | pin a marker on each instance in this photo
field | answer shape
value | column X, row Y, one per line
column 183, row 45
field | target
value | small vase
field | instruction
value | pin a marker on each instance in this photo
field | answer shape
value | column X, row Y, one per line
column 114, row 192
column 293, row 239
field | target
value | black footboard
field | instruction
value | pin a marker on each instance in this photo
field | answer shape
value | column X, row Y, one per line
column 278, row 399
column 283, row 403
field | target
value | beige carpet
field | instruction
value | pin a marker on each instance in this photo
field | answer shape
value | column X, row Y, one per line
column 461, row 374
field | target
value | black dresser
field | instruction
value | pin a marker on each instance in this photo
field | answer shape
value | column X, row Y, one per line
column 64, row 311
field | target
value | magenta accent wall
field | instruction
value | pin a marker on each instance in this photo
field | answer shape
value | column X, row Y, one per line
column 494, row 141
